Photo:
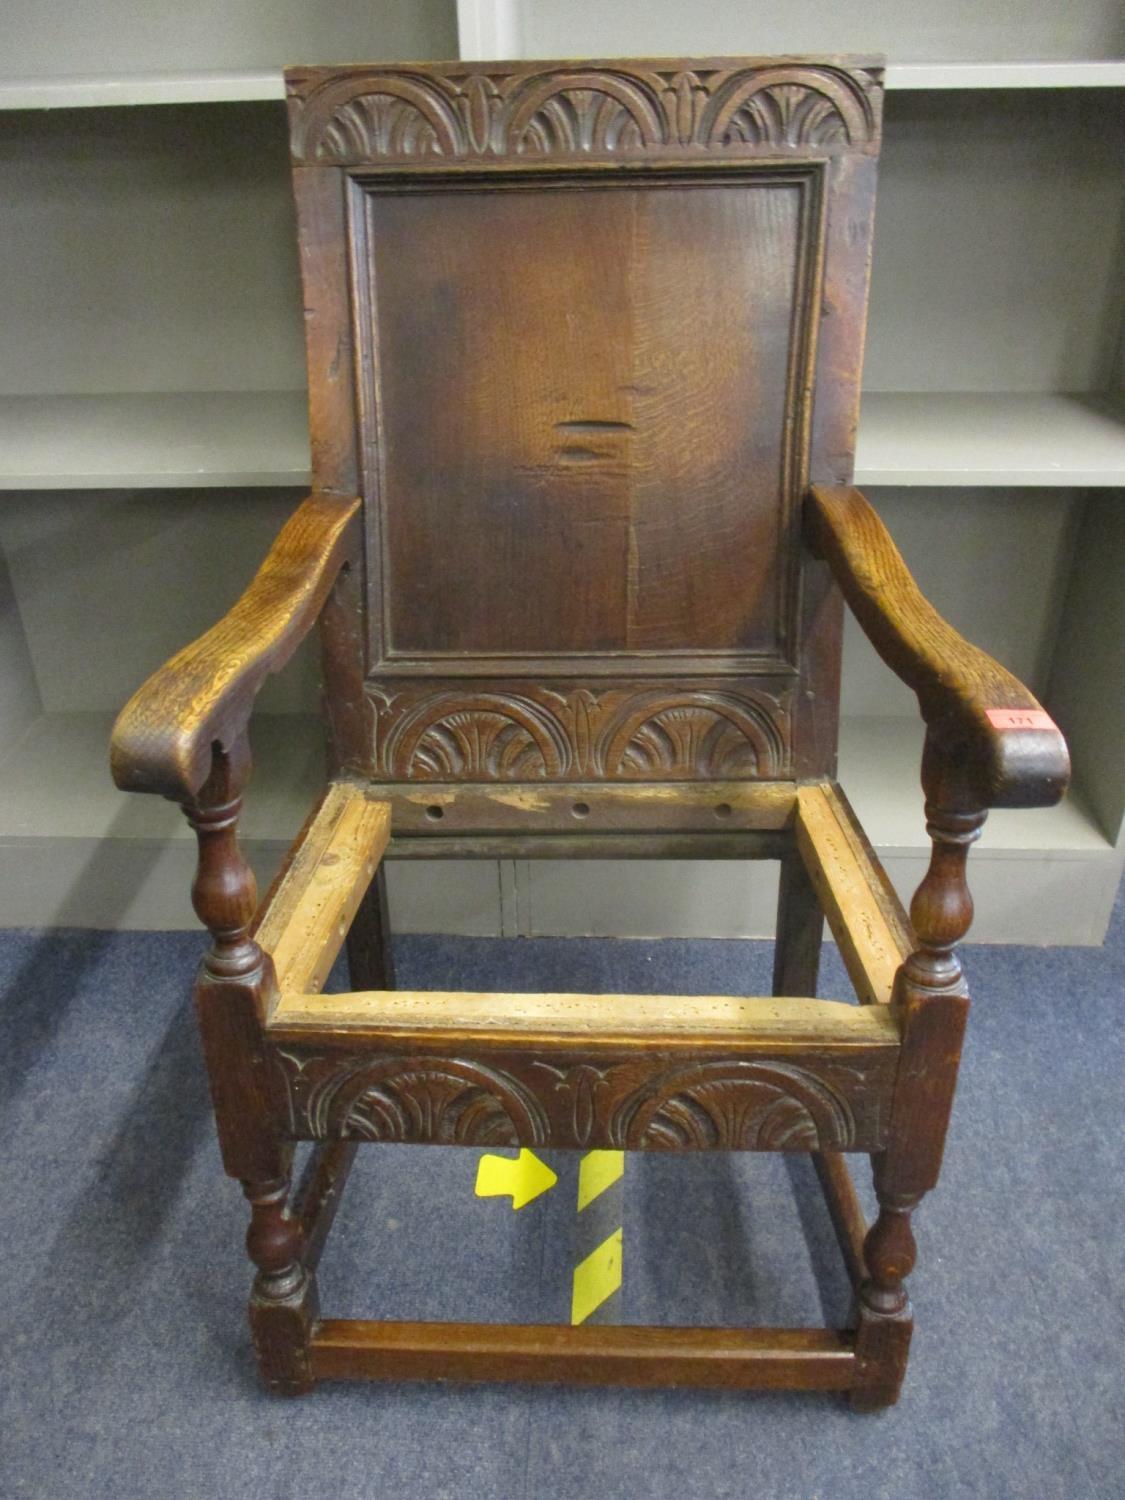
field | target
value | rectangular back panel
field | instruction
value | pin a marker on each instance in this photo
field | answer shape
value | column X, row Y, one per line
column 598, row 328
column 604, row 466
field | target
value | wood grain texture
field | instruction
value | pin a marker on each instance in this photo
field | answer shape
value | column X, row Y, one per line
column 322, row 231
column 594, row 1354
column 309, row 913
column 751, row 844
column 882, row 1345
column 164, row 736
column 933, row 1031
column 648, row 440
column 368, row 1014
column 442, row 810
column 956, row 683
column 866, row 921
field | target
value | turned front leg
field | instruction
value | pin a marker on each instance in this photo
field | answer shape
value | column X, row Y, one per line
column 889, row 1252
column 283, row 1304
column 235, row 983
column 932, row 1003
column 273, row 1240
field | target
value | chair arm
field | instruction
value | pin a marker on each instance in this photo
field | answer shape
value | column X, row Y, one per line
column 166, row 734
column 989, row 742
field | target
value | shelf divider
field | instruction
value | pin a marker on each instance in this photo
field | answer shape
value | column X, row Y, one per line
column 220, row 85
column 100, row 91
column 161, row 440
column 981, row 438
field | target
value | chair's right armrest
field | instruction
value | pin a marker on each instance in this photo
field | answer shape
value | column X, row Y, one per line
column 987, row 736
column 166, row 735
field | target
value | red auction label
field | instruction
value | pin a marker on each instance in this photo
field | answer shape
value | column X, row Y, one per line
column 1019, row 718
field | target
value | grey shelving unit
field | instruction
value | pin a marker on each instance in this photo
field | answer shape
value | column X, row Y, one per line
column 153, row 437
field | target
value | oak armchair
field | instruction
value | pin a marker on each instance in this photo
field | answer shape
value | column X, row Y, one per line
column 584, row 348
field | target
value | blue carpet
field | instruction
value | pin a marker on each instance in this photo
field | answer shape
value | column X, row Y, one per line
column 126, row 1367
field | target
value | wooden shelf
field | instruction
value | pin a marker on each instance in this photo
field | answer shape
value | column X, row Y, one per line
column 977, row 438
column 169, row 440
column 221, row 439
column 1007, row 75
column 220, row 86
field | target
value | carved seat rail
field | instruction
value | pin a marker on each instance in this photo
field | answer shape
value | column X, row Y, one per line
column 633, row 1072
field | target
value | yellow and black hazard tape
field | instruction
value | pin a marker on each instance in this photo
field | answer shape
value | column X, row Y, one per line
column 598, row 1240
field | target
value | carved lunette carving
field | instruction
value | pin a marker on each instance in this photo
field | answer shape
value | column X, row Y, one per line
column 613, row 110
column 659, row 1103
column 478, row 733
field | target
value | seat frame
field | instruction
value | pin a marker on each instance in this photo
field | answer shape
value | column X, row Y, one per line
column 566, row 1071
column 786, row 1072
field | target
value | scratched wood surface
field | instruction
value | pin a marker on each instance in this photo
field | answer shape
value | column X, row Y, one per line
column 865, row 918
column 308, row 915
column 360, row 1018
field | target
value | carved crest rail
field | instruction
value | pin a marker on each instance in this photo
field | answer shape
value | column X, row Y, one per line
column 598, row 109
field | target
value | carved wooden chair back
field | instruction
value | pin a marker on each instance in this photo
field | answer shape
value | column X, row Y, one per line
column 581, row 337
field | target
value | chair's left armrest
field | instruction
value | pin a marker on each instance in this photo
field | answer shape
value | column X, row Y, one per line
column 986, row 734
column 165, row 736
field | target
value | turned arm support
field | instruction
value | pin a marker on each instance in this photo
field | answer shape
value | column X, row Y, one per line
column 978, row 752
column 201, row 701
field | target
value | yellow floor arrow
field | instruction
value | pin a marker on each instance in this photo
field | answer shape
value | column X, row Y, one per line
column 524, row 1177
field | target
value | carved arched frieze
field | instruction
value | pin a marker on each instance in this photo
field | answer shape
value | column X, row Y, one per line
column 480, row 736
column 564, row 114
column 618, row 734
column 785, row 107
column 734, row 1106
column 615, row 110
column 625, row 1101
column 446, row 1101
column 660, row 733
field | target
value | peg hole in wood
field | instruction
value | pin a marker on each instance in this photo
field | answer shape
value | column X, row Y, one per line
column 722, row 809
column 434, row 812
column 581, row 809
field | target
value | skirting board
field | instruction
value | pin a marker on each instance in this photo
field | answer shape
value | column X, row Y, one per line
column 1021, row 897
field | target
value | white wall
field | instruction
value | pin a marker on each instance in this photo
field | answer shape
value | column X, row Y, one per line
column 906, row 30
column 59, row 37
